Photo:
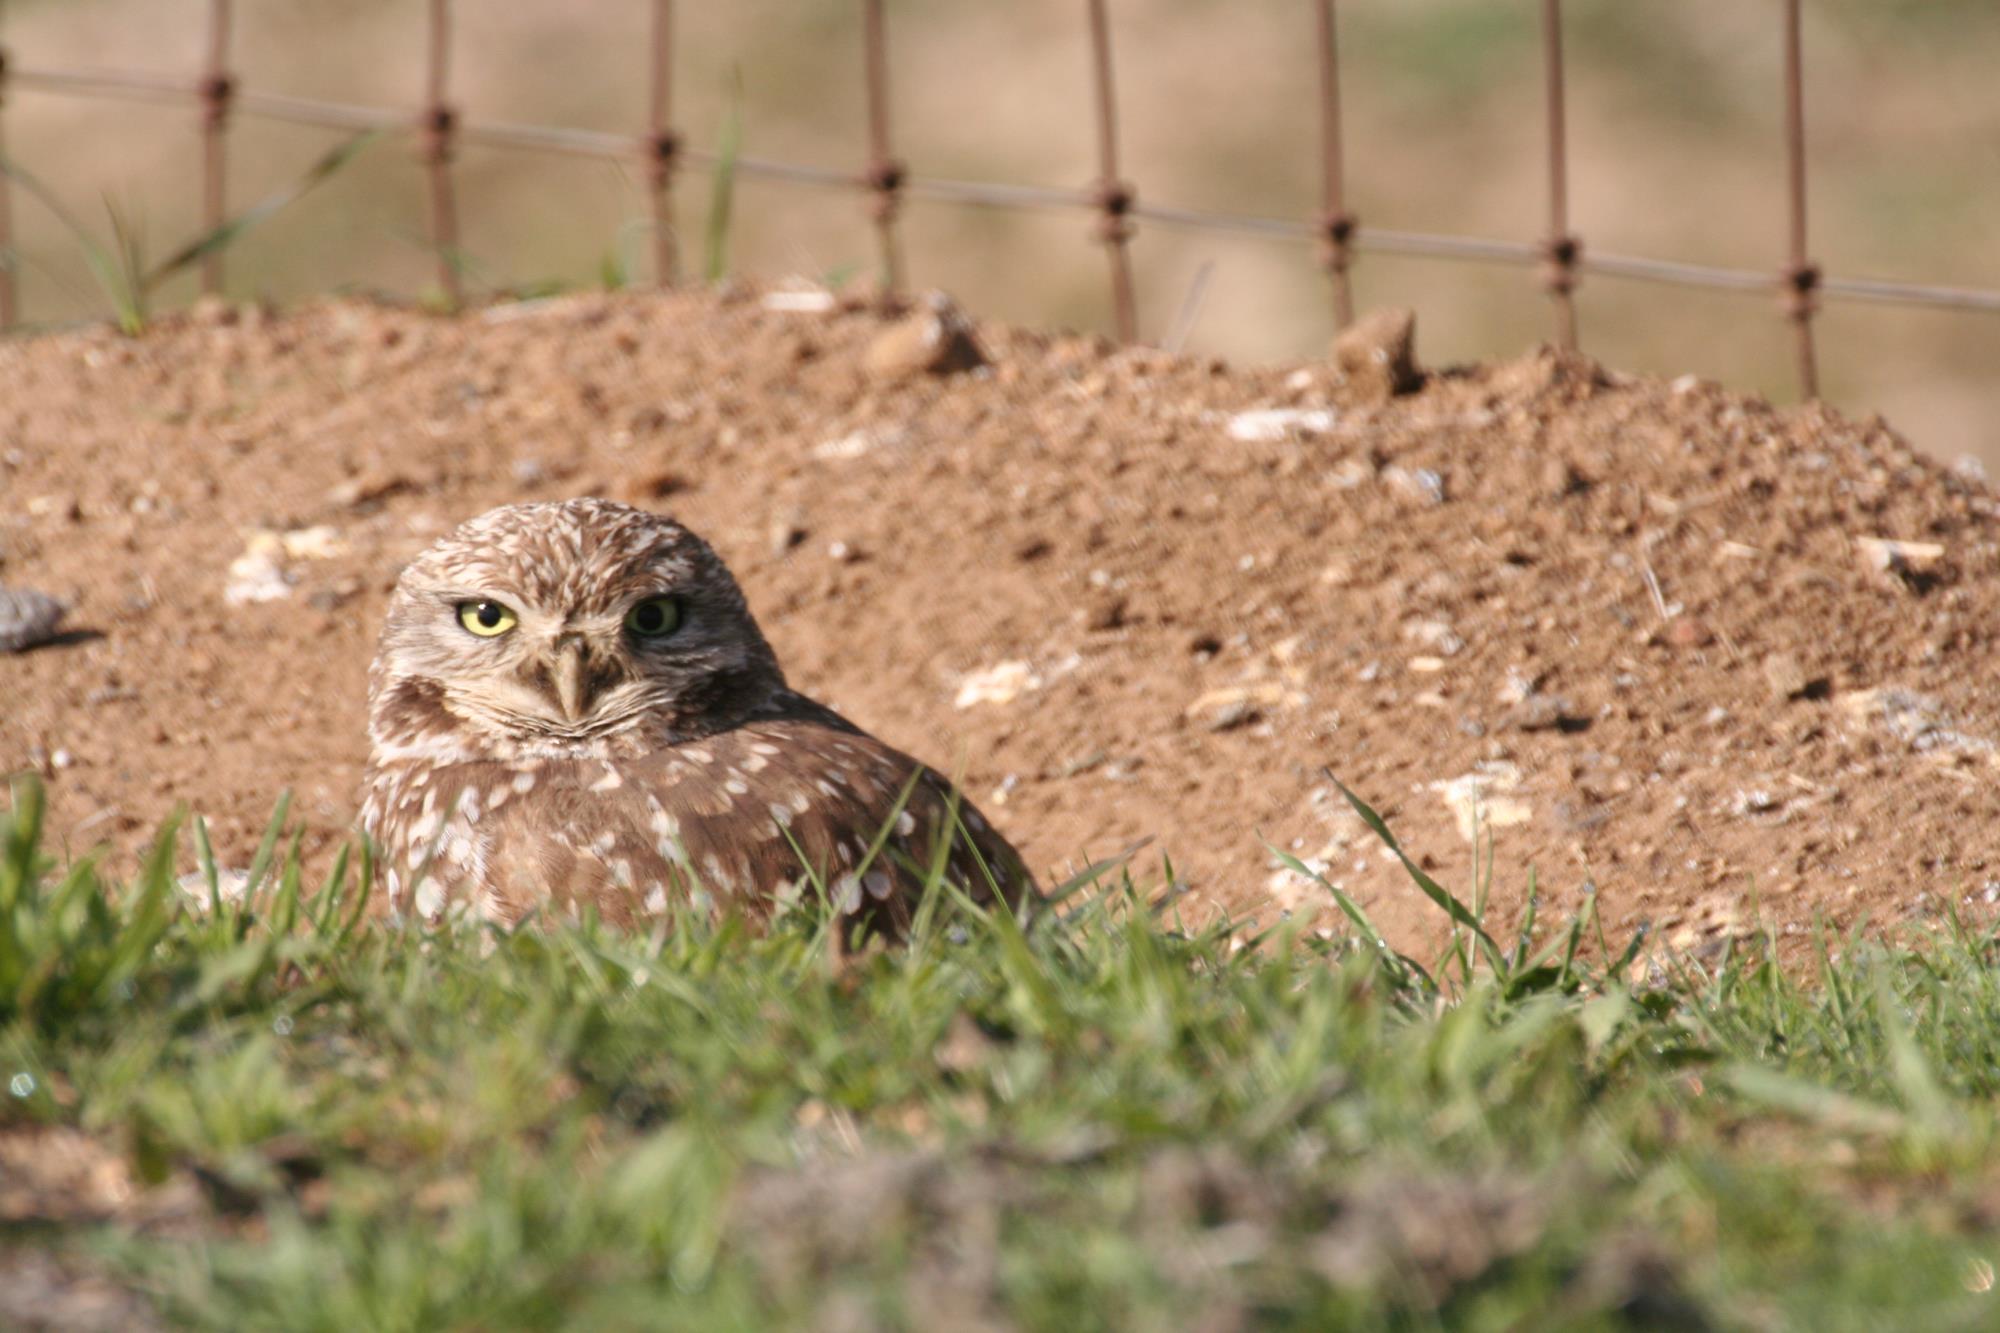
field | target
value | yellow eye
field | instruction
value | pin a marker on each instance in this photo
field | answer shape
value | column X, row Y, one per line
column 654, row 618
column 489, row 620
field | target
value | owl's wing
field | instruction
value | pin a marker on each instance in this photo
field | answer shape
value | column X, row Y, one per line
column 748, row 820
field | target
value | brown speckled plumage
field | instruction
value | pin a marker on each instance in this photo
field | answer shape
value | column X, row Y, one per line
column 569, row 763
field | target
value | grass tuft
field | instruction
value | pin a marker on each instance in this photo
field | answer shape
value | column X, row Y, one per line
column 1095, row 1118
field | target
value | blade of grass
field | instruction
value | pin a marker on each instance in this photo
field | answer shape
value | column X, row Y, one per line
column 722, row 183
column 328, row 165
column 1430, row 888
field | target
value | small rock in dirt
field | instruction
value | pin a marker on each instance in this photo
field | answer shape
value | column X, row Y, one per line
column 1787, row 679
column 1001, row 683
column 1436, row 634
column 1267, row 425
column 799, row 300
column 1518, row 685
column 1237, row 705
column 256, row 576
column 788, row 532
column 1560, row 479
column 1689, row 632
column 650, row 484
column 367, row 489
column 1105, row 611
column 314, row 543
column 1484, row 798
column 1542, row 712
column 933, row 339
column 1895, row 557
column 1755, row 801
column 27, row 618
column 214, row 311
column 229, row 886
column 843, row 447
column 1377, row 353
column 1419, row 485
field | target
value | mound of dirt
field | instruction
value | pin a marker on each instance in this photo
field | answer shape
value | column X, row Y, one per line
column 1659, row 641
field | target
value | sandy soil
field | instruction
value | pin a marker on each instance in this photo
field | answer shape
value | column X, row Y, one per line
column 1639, row 632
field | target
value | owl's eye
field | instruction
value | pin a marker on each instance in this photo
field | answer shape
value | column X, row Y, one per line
column 489, row 620
column 654, row 618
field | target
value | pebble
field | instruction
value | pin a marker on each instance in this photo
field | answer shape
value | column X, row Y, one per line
column 1267, row 425
column 1377, row 353
column 1233, row 706
column 1540, row 712
column 1419, row 485
column 1689, row 632
column 1787, row 679
column 933, row 339
column 27, row 618
column 1000, row 683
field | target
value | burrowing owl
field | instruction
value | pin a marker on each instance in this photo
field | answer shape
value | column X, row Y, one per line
column 571, row 707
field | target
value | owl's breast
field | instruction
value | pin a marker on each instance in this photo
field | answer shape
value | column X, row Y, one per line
column 746, row 820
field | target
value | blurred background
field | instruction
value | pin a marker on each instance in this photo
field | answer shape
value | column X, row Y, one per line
column 1675, row 151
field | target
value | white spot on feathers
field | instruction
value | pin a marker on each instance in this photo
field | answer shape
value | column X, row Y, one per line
column 430, row 900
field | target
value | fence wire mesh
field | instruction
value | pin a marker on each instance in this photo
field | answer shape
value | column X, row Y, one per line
column 437, row 130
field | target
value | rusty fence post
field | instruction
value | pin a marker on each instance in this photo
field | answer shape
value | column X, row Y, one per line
column 662, row 146
column 1336, row 224
column 217, row 88
column 1113, row 197
column 1799, row 284
column 9, row 261
column 439, row 122
column 1560, row 249
column 885, row 174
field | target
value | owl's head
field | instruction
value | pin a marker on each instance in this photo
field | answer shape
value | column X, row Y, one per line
column 557, row 628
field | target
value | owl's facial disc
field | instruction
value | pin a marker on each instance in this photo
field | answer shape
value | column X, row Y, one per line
column 552, row 628
column 550, row 670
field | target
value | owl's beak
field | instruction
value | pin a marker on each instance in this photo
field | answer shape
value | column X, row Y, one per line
column 572, row 681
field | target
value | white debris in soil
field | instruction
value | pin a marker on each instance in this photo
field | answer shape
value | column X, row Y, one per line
column 1484, row 799
column 1435, row 634
column 1886, row 553
column 1001, row 683
column 799, row 299
column 230, row 883
column 259, row 574
column 256, row 576
column 1264, row 425
column 1231, row 705
column 855, row 444
column 1916, row 719
column 316, row 543
column 1755, row 801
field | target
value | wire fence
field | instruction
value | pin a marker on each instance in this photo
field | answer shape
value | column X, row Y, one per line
column 437, row 131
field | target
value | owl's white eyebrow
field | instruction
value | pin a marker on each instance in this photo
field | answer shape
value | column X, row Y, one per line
column 461, row 597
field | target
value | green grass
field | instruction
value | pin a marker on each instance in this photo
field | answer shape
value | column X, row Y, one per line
column 1094, row 1122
